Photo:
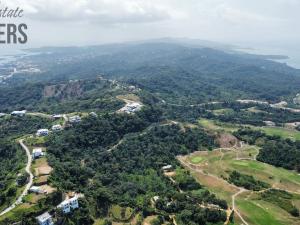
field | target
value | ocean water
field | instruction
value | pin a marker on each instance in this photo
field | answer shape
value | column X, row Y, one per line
column 292, row 52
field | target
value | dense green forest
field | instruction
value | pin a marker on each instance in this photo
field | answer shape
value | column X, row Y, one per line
column 11, row 126
column 246, row 181
column 63, row 97
column 274, row 150
column 176, row 73
column 116, row 159
column 12, row 160
column 130, row 175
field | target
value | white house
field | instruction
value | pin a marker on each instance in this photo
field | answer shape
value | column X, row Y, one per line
column 45, row 219
column 37, row 152
column 2, row 114
column 57, row 116
column 36, row 189
column 93, row 114
column 131, row 107
column 42, row 132
column 69, row 204
column 18, row 113
column 168, row 167
column 57, row 127
column 74, row 119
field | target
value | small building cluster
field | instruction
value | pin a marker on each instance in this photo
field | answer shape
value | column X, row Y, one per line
column 42, row 132
column 56, row 127
column 131, row 107
column 69, row 204
column 167, row 168
column 45, row 219
column 37, row 153
column 75, row 119
column 36, row 190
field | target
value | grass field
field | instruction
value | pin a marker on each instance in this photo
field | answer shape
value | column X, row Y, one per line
column 217, row 126
column 282, row 132
column 227, row 127
column 121, row 213
column 216, row 166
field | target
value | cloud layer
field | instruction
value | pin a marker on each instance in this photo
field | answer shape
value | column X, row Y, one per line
column 94, row 21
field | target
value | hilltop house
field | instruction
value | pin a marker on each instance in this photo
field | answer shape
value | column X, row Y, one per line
column 18, row 113
column 45, row 219
column 42, row 132
column 36, row 153
column 74, row 119
column 57, row 127
column 69, row 204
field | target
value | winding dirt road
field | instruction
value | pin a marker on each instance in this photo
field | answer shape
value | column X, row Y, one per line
column 28, row 185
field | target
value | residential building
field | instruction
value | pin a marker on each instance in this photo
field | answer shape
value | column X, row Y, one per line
column 2, row 114
column 93, row 114
column 37, row 153
column 42, row 132
column 74, row 119
column 57, row 116
column 131, row 107
column 166, row 168
column 270, row 123
column 69, row 204
column 57, row 127
column 36, row 190
column 45, row 219
column 18, row 113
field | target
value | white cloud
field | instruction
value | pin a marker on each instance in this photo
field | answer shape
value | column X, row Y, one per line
column 95, row 11
column 96, row 21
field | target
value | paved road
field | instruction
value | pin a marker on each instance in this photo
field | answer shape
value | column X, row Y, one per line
column 25, row 191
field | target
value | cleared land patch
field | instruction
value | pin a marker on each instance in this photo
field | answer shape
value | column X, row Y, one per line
column 213, row 171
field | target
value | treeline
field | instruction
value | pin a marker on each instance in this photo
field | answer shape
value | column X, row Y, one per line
column 246, row 181
column 274, row 150
column 240, row 115
column 282, row 199
column 130, row 174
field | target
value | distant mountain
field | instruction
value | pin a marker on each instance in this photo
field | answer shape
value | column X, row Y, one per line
column 176, row 70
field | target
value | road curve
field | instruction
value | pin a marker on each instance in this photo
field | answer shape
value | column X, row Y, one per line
column 28, row 185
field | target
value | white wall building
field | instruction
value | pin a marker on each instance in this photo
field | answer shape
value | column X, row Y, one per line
column 37, row 152
column 36, row 189
column 74, row 119
column 57, row 127
column 69, row 204
column 42, row 132
column 57, row 116
column 45, row 219
column 18, row 113
column 168, row 167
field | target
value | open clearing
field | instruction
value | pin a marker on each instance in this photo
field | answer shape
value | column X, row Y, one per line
column 211, row 169
column 227, row 127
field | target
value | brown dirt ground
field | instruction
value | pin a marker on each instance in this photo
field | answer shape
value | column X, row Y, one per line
column 226, row 140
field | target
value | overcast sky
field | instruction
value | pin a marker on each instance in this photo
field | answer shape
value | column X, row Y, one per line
column 85, row 22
